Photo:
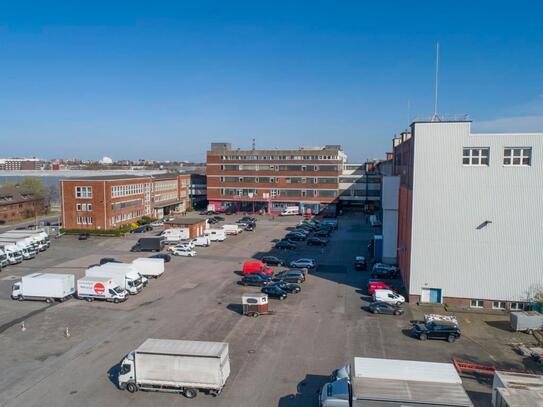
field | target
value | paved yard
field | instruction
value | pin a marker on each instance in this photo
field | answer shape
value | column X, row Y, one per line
column 277, row 360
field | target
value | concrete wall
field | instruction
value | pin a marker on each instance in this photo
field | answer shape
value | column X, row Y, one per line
column 389, row 204
column 450, row 250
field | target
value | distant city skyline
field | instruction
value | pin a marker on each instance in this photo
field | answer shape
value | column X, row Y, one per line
column 163, row 81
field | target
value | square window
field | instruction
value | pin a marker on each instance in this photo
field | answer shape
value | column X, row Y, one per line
column 517, row 156
column 477, row 304
column 478, row 156
column 498, row 305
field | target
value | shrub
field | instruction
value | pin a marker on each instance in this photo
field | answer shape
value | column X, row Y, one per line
column 93, row 232
column 145, row 220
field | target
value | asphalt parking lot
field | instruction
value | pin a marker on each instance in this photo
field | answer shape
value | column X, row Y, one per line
column 277, row 360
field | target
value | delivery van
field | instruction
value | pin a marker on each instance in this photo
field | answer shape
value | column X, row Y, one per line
column 125, row 275
column 215, row 235
column 202, row 241
column 290, row 210
column 232, row 229
column 255, row 266
column 389, row 296
column 149, row 267
column 46, row 287
column 100, row 288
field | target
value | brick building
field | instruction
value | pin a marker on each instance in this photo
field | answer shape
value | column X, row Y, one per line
column 20, row 203
column 107, row 202
column 196, row 226
column 271, row 180
column 17, row 164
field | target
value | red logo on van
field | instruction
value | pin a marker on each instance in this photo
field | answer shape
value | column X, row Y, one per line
column 99, row 288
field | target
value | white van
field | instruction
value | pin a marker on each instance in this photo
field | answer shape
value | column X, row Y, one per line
column 290, row 210
column 202, row 241
column 388, row 296
column 215, row 235
column 232, row 229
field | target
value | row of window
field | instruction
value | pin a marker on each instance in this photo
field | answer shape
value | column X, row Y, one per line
column 164, row 185
column 84, row 220
column 83, row 207
column 126, row 204
column 512, row 156
column 309, row 193
column 126, row 216
column 83, row 192
column 118, row 191
column 166, row 197
column 515, row 306
column 278, row 157
column 288, row 180
column 271, row 167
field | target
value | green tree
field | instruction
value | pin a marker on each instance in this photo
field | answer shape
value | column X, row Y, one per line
column 34, row 184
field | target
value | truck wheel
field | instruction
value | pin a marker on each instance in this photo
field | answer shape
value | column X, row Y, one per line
column 49, row 300
column 131, row 387
column 451, row 339
column 89, row 299
column 21, row 298
column 115, row 301
column 190, row 393
column 423, row 337
column 530, row 331
column 255, row 314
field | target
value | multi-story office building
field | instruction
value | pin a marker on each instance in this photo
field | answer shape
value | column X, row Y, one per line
column 358, row 186
column 107, row 202
column 470, row 215
column 17, row 164
column 271, row 180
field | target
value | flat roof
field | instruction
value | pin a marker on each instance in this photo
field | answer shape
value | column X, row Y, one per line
column 180, row 347
column 108, row 177
column 185, row 221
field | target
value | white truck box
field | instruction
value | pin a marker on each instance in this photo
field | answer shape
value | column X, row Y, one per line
column 215, row 235
column 44, row 286
column 232, row 229
column 26, row 247
column 38, row 236
column 149, row 267
column 100, row 288
column 175, row 235
column 290, row 210
column 123, row 274
column 176, row 365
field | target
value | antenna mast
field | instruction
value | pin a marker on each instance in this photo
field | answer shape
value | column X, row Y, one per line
column 435, row 117
column 254, row 144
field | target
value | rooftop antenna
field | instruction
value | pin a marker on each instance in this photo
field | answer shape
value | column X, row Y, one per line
column 408, row 112
column 435, row 117
column 254, row 144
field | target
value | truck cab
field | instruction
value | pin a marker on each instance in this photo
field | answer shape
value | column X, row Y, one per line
column 335, row 394
column 126, row 373
column 13, row 253
column 3, row 259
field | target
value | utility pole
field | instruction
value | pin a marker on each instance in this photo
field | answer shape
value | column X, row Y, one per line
column 435, row 116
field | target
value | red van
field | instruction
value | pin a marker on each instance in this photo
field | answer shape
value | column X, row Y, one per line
column 255, row 266
column 377, row 285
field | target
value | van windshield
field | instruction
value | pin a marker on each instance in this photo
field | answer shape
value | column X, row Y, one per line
column 118, row 290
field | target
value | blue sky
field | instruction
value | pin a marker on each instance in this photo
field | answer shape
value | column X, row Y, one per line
column 163, row 79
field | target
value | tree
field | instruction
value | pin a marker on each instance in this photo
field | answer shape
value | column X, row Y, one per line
column 34, row 184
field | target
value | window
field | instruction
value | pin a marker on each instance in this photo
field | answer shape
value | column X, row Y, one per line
column 475, row 156
column 83, row 207
column 84, row 220
column 83, row 192
column 78, row 207
column 517, row 156
column 517, row 306
column 477, row 304
column 498, row 305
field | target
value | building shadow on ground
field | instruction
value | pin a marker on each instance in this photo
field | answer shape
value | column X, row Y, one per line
column 235, row 308
column 503, row 325
column 307, row 392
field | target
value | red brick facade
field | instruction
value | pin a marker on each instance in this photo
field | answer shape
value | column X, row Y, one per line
column 18, row 203
column 196, row 226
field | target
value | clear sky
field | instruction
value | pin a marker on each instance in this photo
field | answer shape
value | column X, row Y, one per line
column 162, row 79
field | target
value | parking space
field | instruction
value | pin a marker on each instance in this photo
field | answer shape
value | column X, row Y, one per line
column 277, row 360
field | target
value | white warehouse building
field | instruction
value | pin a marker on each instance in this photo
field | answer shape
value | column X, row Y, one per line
column 470, row 215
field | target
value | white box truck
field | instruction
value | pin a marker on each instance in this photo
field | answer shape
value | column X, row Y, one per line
column 123, row 274
column 13, row 252
column 202, row 241
column 44, row 286
column 290, row 210
column 3, row 259
column 388, row 382
column 176, row 366
column 40, row 238
column 149, row 267
column 24, row 243
column 215, row 235
column 100, row 288
column 232, row 229
column 175, row 235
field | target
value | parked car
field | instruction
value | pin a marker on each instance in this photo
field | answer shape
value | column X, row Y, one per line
column 387, row 295
column 274, row 291
column 83, row 236
column 166, row 257
column 385, row 308
column 105, row 260
column 285, row 245
column 383, row 272
column 288, row 287
column 436, row 330
column 303, row 264
column 321, row 233
column 212, row 221
column 385, row 266
column 360, row 263
column 295, row 236
column 316, row 241
column 218, row 218
column 377, row 285
column 183, row 251
column 140, row 229
column 290, row 276
column 250, row 227
column 272, row 261
column 209, row 213
column 254, row 280
column 157, row 223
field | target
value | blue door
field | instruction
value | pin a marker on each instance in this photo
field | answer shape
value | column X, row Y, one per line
column 435, row 295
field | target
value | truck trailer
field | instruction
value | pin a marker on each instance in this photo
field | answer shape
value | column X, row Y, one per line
column 372, row 382
column 176, row 366
column 149, row 267
column 44, row 286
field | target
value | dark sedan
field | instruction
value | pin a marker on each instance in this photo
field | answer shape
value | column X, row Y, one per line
column 285, row 245
column 272, row 261
column 321, row 233
column 295, row 236
column 166, row 257
column 290, row 276
column 317, row 241
column 385, row 308
column 288, row 287
column 255, row 280
column 274, row 292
